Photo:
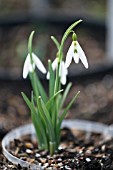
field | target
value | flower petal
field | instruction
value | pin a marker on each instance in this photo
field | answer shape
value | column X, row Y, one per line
column 65, row 70
column 69, row 55
column 38, row 63
column 63, row 73
column 63, row 80
column 48, row 75
column 54, row 64
column 82, row 55
column 26, row 67
column 76, row 58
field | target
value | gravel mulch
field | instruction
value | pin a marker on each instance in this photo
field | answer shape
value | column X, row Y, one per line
column 83, row 151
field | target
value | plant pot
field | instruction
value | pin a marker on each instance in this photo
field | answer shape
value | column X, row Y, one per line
column 87, row 126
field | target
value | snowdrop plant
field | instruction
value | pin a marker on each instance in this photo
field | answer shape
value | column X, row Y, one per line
column 47, row 109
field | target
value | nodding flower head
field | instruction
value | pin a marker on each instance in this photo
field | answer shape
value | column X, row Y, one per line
column 76, row 52
column 30, row 66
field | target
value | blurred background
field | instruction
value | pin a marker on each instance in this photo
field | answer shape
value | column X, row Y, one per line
column 52, row 17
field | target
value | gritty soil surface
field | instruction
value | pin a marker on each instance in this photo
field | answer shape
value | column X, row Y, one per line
column 78, row 151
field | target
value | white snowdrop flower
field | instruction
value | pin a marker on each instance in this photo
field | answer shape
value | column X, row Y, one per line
column 29, row 67
column 62, row 71
column 76, row 52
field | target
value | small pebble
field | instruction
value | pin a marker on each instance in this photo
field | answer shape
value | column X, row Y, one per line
column 31, row 160
column 16, row 151
column 60, row 164
column 28, row 145
column 45, row 165
column 37, row 155
column 67, row 167
column 88, row 159
column 22, row 154
column 103, row 147
column 43, row 160
column 59, row 159
column 88, row 152
column 29, row 151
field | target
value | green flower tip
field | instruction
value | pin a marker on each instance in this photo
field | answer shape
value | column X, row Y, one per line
column 74, row 37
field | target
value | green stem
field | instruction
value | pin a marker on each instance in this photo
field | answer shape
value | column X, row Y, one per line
column 30, row 45
column 67, row 32
column 52, row 146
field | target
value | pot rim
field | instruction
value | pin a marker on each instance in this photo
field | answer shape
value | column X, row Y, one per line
column 85, row 125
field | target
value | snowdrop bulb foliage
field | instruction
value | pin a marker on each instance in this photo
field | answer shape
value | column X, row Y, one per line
column 76, row 52
column 29, row 67
column 62, row 71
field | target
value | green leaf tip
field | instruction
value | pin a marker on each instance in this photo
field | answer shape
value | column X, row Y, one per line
column 80, row 20
column 52, row 36
column 31, row 34
column 78, row 92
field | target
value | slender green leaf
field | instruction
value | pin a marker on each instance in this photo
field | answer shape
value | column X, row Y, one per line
column 49, row 103
column 56, row 42
column 34, row 83
column 33, row 115
column 65, row 94
column 66, row 109
column 41, row 89
column 39, row 128
column 56, row 113
column 40, row 131
column 51, row 79
column 45, row 111
column 28, row 102
column 57, row 80
column 46, row 115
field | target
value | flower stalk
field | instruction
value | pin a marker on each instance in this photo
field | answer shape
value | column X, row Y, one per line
column 47, row 110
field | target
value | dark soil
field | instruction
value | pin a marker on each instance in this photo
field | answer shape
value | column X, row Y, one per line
column 78, row 151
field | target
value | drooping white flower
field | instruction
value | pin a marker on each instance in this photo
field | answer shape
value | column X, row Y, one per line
column 62, row 71
column 29, row 67
column 76, row 52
